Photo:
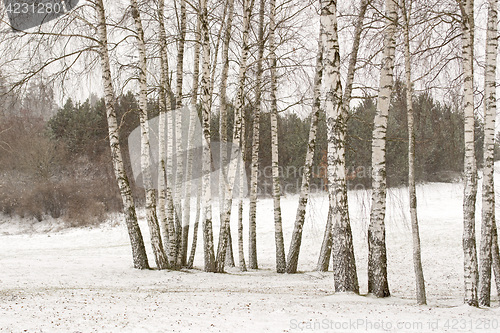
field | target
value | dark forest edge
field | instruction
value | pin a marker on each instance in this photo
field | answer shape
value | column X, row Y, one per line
column 67, row 156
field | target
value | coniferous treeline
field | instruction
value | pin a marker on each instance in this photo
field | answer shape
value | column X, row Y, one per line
column 439, row 137
column 78, row 131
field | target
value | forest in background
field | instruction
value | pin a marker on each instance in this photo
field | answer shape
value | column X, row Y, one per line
column 61, row 166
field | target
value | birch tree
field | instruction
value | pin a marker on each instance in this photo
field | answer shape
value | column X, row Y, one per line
column 238, row 118
column 151, row 217
column 344, row 265
column 180, row 54
column 488, row 193
column 471, row 275
column 254, row 173
column 377, row 255
column 278, row 228
column 186, row 214
column 181, row 229
column 293, row 252
column 417, row 260
column 208, row 241
column 223, row 119
column 326, row 245
column 139, row 256
column 164, row 190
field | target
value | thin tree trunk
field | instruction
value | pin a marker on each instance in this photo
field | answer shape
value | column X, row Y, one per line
column 208, row 239
column 488, row 208
column 190, row 152
column 180, row 54
column 377, row 253
column 139, row 256
column 278, row 228
column 254, row 173
column 224, row 125
column 293, row 252
column 178, row 187
column 180, row 228
column 325, row 253
column 165, row 105
column 241, row 252
column 196, row 62
column 326, row 246
column 170, row 219
column 471, row 275
column 231, row 174
column 241, row 192
column 154, row 228
column 344, row 264
column 195, row 229
column 218, row 38
column 186, row 215
column 417, row 257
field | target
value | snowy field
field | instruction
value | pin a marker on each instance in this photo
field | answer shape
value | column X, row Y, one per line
column 82, row 280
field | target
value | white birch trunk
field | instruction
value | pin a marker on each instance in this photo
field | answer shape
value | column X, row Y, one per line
column 326, row 247
column 139, row 256
column 195, row 229
column 180, row 227
column 488, row 198
column 278, row 228
column 223, row 123
column 164, row 192
column 252, row 224
column 238, row 118
column 344, row 265
column 377, row 254
column 186, row 211
column 417, row 260
column 241, row 251
column 156, row 242
column 208, row 240
column 471, row 275
column 180, row 54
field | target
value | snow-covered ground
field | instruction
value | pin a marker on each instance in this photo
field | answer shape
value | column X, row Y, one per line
column 82, row 280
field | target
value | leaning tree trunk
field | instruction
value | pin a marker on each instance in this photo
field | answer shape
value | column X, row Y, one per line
column 139, row 256
column 195, row 229
column 254, row 173
column 344, row 264
column 471, row 275
column 231, row 174
column 490, row 112
column 326, row 246
column 154, row 228
column 293, row 252
column 208, row 238
column 417, row 258
column 325, row 253
column 377, row 254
